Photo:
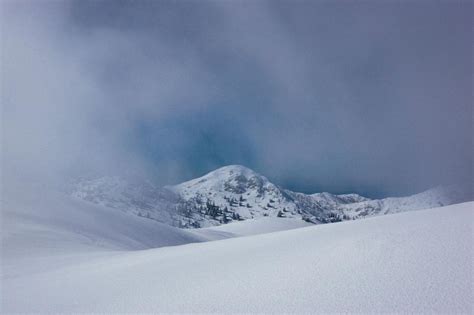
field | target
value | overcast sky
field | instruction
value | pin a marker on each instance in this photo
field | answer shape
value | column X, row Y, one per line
column 373, row 97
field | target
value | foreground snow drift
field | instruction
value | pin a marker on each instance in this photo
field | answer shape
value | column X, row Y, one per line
column 411, row 262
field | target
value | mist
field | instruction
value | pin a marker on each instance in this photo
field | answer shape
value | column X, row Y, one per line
column 373, row 98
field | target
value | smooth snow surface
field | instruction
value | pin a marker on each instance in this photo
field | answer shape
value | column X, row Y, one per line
column 54, row 229
column 256, row 226
column 411, row 262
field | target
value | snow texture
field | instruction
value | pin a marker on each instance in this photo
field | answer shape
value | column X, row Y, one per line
column 63, row 256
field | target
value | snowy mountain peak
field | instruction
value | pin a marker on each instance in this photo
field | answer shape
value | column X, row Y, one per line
column 238, row 193
column 235, row 179
column 233, row 168
column 236, row 173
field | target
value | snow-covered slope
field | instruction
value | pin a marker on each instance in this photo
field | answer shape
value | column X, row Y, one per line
column 132, row 195
column 432, row 198
column 38, row 222
column 413, row 262
column 235, row 193
column 252, row 227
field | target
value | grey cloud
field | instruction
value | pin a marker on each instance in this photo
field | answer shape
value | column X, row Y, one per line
column 371, row 97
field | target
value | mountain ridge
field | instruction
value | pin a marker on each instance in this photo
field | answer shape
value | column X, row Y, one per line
column 235, row 192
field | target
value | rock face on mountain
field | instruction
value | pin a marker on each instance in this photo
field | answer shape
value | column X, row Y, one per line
column 234, row 193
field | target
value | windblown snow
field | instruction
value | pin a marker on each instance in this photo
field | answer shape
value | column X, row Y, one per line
column 69, row 256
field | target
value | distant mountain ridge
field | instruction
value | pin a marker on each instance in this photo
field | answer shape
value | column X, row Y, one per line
column 235, row 192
